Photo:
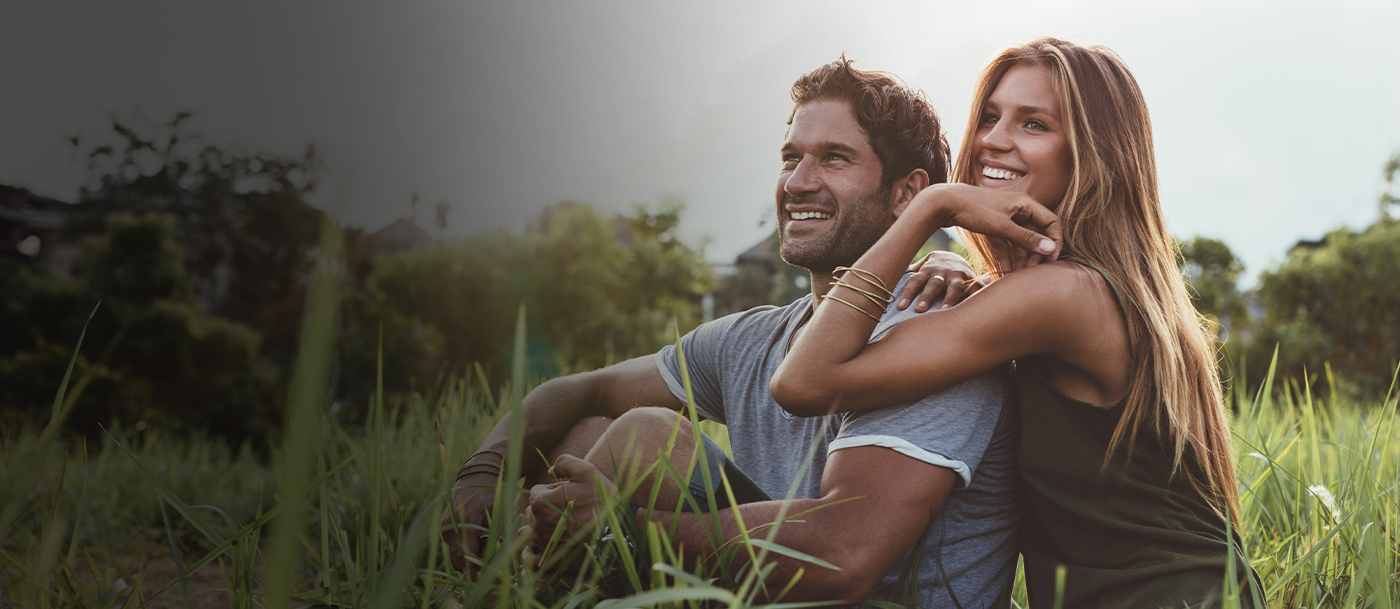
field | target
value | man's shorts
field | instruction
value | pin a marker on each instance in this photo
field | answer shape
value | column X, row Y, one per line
column 744, row 488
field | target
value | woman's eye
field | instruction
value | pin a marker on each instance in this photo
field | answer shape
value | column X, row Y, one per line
column 1036, row 125
column 988, row 119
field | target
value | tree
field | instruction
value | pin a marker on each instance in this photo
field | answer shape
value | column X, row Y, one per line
column 1338, row 304
column 241, row 220
column 596, row 290
column 1212, row 271
column 151, row 356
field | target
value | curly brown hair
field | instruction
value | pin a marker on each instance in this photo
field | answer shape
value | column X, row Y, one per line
column 902, row 126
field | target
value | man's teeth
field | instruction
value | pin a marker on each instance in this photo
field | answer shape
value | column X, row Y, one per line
column 1000, row 174
column 810, row 215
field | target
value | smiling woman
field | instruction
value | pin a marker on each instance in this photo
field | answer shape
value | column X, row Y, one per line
column 1020, row 140
column 1125, row 450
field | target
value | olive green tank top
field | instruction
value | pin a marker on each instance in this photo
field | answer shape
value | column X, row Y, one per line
column 1131, row 535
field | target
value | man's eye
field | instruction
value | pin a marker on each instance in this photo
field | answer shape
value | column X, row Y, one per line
column 790, row 159
column 836, row 157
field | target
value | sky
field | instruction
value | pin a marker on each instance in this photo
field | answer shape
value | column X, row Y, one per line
column 1271, row 119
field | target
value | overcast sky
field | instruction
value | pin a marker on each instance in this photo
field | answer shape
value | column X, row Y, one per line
column 1272, row 119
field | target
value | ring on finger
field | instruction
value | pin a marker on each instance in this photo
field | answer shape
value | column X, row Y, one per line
column 940, row 278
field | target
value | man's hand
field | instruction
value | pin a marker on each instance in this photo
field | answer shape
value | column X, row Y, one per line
column 938, row 273
column 573, row 502
column 464, row 523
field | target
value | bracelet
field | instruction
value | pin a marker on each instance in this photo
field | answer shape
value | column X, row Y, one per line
column 872, row 297
column 862, row 311
column 462, row 471
column 868, row 277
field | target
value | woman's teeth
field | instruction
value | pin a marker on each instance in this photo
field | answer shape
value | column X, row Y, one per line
column 810, row 215
column 1000, row 174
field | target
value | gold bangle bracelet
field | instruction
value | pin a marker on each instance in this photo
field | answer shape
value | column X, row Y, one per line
column 862, row 311
column 871, row 296
column 868, row 277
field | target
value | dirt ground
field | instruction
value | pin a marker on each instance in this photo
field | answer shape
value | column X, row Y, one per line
column 206, row 585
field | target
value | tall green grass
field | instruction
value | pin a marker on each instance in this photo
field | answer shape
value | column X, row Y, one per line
column 347, row 516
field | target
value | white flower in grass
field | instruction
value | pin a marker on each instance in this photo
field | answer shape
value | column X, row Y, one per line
column 1330, row 502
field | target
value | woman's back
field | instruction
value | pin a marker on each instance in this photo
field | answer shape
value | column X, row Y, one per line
column 1130, row 535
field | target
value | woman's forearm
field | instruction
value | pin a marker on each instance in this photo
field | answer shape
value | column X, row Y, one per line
column 809, row 378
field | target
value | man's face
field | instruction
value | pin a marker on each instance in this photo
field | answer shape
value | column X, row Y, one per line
column 831, row 204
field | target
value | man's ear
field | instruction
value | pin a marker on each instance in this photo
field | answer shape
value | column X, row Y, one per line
column 904, row 189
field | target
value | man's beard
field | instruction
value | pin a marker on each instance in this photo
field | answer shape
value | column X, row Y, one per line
column 860, row 223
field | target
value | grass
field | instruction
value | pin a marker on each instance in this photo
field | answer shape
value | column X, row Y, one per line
column 351, row 512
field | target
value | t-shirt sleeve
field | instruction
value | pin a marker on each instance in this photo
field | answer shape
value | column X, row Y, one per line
column 703, row 349
column 951, row 428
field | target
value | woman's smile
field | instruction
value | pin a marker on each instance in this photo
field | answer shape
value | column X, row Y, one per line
column 1021, row 142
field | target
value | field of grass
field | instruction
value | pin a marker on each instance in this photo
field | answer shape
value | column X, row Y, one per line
column 347, row 516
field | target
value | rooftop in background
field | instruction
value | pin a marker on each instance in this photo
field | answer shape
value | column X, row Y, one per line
column 401, row 235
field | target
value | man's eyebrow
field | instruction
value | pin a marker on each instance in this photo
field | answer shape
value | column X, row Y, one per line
column 825, row 146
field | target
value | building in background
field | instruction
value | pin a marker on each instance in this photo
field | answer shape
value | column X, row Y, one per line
column 32, row 226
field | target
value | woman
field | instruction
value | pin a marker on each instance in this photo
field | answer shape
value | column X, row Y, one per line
column 1125, row 445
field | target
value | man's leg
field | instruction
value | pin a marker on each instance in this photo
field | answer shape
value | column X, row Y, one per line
column 625, row 450
column 630, row 453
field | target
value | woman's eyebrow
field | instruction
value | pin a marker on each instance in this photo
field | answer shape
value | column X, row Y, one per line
column 1036, row 110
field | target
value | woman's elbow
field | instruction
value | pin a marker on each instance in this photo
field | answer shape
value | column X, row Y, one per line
column 803, row 397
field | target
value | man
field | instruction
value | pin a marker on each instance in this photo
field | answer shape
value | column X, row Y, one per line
column 932, row 480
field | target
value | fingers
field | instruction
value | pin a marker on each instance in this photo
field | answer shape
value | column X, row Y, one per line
column 913, row 287
column 569, row 467
column 932, row 290
column 957, row 292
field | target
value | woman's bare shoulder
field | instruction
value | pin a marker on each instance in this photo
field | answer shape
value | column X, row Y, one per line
column 1061, row 291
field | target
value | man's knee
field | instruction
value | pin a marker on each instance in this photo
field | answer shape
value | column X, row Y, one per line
column 641, row 434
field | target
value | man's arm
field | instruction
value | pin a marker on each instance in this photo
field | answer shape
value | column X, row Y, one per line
column 892, row 498
column 550, row 411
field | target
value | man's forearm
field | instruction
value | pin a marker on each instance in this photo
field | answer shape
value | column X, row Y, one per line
column 550, row 411
column 811, row 533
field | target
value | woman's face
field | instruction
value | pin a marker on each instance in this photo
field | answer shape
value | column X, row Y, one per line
column 1021, row 142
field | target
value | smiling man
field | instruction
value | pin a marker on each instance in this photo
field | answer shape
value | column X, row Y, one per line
column 930, row 485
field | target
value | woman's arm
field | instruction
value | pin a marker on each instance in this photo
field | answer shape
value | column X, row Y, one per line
column 831, row 367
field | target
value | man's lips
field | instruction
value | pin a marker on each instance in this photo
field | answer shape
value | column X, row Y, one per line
column 809, row 215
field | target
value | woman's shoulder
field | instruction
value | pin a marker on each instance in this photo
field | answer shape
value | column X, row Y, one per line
column 1067, row 280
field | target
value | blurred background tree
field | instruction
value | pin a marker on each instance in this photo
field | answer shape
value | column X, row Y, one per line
column 1334, row 302
column 199, row 254
column 241, row 220
column 152, row 357
column 1213, row 272
column 596, row 290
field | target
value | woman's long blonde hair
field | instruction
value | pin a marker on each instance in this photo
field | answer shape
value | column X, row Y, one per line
column 1113, row 220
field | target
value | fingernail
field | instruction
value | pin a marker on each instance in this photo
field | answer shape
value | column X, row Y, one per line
column 1046, row 246
column 903, row 302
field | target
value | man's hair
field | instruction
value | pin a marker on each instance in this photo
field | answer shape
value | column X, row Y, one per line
column 902, row 126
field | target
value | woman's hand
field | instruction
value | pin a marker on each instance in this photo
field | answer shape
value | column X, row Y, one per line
column 938, row 273
column 1012, row 217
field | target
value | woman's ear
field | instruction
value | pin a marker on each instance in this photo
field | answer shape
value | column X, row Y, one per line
column 904, row 189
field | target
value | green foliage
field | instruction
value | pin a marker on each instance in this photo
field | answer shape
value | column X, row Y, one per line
column 1338, row 304
column 241, row 221
column 1320, row 512
column 597, row 290
column 1212, row 271
column 153, row 353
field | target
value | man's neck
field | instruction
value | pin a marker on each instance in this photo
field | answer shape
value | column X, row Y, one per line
column 821, row 284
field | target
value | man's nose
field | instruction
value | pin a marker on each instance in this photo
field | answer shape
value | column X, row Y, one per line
column 803, row 178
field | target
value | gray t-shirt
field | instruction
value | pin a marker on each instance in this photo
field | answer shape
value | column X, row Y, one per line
column 964, row 428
